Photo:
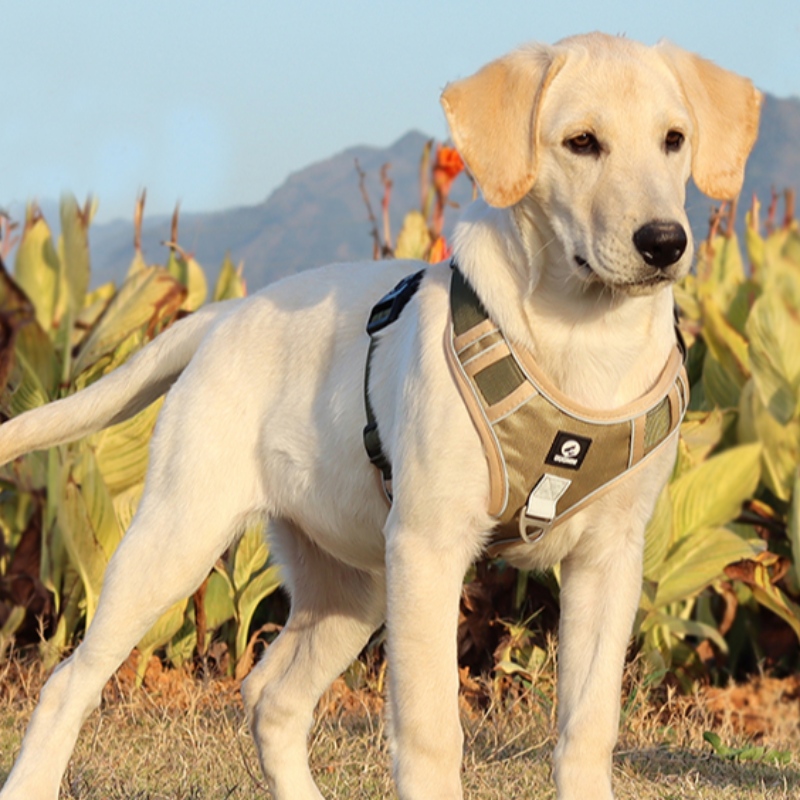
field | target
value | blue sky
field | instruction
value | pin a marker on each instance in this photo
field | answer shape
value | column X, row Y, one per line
column 214, row 104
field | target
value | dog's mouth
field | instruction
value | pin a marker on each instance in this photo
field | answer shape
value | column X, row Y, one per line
column 586, row 270
column 644, row 284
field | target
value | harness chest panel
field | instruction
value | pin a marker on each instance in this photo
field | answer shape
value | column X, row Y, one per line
column 547, row 457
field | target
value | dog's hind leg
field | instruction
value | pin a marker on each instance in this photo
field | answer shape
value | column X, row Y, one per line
column 335, row 608
column 198, row 494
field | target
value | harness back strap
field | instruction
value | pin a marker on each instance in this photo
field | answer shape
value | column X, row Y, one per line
column 547, row 456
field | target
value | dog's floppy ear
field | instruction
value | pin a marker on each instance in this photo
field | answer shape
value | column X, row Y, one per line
column 725, row 109
column 494, row 122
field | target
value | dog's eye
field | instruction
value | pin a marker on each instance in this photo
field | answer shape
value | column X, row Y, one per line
column 674, row 141
column 584, row 144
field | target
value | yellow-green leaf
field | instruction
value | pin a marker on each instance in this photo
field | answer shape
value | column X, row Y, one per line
column 774, row 333
column 260, row 586
column 190, row 275
column 726, row 344
column 145, row 297
column 218, row 601
column 74, row 250
column 167, row 625
column 697, row 561
column 89, row 526
column 771, row 597
column 793, row 528
column 230, row 283
column 701, row 432
column 658, row 535
column 721, row 387
column 250, row 555
column 414, row 239
column 36, row 268
column 122, row 450
column 713, row 492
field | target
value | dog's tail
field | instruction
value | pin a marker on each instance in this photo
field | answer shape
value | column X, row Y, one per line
column 114, row 397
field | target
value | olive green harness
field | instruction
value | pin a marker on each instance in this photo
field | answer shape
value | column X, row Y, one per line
column 547, row 456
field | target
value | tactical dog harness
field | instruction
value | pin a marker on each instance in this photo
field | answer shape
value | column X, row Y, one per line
column 547, row 456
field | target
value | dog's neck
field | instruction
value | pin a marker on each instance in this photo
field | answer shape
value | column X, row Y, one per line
column 601, row 348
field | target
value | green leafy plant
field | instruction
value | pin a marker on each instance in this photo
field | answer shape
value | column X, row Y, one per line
column 723, row 543
column 69, row 508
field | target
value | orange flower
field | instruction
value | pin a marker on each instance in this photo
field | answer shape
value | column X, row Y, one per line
column 440, row 250
column 447, row 167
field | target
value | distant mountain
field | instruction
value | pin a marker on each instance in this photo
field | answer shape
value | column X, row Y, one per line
column 318, row 214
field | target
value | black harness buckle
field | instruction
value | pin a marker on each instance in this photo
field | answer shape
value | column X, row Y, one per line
column 388, row 308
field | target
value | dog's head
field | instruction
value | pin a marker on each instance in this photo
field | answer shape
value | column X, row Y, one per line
column 595, row 139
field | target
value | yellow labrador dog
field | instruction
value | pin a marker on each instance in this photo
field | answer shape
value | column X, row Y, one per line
column 582, row 151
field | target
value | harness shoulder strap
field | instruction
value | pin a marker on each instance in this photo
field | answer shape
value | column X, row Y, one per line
column 383, row 313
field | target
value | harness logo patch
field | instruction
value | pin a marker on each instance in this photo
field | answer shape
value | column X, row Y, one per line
column 568, row 450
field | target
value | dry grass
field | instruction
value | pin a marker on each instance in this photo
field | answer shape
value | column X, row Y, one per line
column 183, row 739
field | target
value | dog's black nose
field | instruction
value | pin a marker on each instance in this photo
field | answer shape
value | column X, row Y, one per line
column 661, row 243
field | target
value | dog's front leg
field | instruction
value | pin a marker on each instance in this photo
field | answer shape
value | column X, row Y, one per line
column 600, row 588
column 424, row 586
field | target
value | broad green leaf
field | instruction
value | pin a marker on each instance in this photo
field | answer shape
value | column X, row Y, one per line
column 36, row 268
column 721, row 388
column 720, row 270
column 771, row 597
column 94, row 305
column 189, row 274
column 74, row 251
column 54, row 561
column 34, row 379
column 740, row 305
column 697, row 561
column 780, row 443
column 680, row 627
column 181, row 646
column 793, row 528
column 110, row 361
column 145, row 298
column 122, row 450
column 658, row 535
column 774, row 333
column 86, row 518
column 791, row 248
column 97, row 500
column 725, row 343
column 250, row 555
column 781, row 452
column 125, row 505
column 12, row 624
column 218, row 601
column 261, row 586
column 230, row 283
column 754, row 242
column 167, row 625
column 701, row 433
column 414, row 239
column 713, row 492
column 138, row 264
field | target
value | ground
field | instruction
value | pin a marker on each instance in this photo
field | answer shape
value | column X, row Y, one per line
column 181, row 737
